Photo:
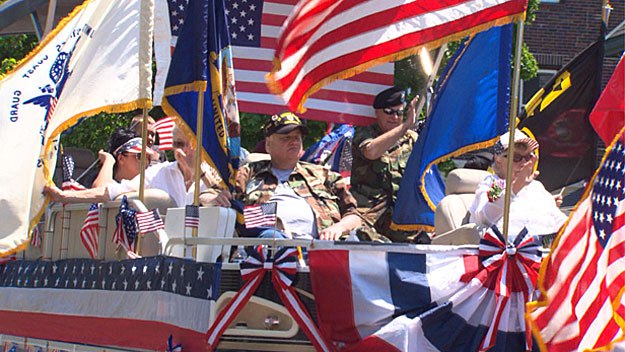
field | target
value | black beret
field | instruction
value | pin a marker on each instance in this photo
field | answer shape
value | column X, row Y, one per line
column 390, row 97
column 284, row 123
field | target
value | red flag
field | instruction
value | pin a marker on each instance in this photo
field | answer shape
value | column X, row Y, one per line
column 327, row 40
column 583, row 280
column 608, row 116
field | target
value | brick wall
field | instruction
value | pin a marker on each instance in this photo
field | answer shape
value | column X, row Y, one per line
column 561, row 30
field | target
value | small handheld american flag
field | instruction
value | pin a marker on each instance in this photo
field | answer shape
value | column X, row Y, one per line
column 150, row 221
column 126, row 230
column 165, row 129
column 263, row 214
column 35, row 239
column 90, row 231
column 192, row 216
column 69, row 184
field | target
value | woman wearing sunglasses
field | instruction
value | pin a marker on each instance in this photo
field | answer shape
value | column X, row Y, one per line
column 531, row 206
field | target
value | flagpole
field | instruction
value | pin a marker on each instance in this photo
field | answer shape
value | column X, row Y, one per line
column 62, row 212
column 430, row 82
column 198, row 159
column 514, row 101
column 144, row 139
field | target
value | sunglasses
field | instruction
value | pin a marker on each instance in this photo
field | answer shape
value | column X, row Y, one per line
column 389, row 111
column 518, row 157
column 137, row 156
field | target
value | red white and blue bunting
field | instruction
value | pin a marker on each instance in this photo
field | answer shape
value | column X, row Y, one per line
column 283, row 270
column 511, row 268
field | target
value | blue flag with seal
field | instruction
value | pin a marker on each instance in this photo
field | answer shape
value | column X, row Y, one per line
column 202, row 64
column 470, row 110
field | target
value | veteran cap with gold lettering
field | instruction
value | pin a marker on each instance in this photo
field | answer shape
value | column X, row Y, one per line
column 284, row 123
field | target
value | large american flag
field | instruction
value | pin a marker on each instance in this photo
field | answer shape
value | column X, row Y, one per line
column 130, row 304
column 254, row 28
column 258, row 215
column 584, row 278
column 329, row 40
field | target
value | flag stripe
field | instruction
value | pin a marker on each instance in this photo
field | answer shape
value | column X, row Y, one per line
column 99, row 331
column 351, row 34
column 344, row 327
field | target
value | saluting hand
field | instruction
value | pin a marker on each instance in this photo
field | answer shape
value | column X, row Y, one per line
column 411, row 116
column 525, row 174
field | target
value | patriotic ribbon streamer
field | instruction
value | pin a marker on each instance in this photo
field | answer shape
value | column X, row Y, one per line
column 283, row 270
column 513, row 267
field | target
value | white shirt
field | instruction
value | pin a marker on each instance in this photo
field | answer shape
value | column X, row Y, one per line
column 533, row 207
column 295, row 213
column 165, row 176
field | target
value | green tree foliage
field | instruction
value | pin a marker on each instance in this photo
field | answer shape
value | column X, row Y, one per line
column 252, row 130
column 93, row 132
column 13, row 48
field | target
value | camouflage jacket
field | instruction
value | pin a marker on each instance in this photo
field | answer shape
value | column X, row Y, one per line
column 324, row 190
column 374, row 182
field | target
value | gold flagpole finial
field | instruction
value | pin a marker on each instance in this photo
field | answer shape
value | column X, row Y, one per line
column 606, row 10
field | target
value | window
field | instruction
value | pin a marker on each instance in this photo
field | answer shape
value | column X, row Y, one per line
column 530, row 87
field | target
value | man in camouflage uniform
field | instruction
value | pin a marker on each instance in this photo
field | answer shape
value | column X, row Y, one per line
column 312, row 200
column 380, row 154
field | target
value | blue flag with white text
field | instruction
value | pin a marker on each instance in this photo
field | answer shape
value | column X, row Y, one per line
column 470, row 110
column 202, row 64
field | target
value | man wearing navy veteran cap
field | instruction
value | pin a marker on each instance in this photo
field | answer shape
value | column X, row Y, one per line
column 313, row 201
column 380, row 153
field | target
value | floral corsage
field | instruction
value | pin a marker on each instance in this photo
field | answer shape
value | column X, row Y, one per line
column 496, row 190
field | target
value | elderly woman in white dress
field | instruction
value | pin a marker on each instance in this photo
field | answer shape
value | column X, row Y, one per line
column 531, row 206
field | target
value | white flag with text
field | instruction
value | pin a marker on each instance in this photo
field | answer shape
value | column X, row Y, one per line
column 98, row 59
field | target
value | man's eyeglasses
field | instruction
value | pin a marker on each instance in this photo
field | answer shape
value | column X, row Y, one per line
column 518, row 157
column 389, row 111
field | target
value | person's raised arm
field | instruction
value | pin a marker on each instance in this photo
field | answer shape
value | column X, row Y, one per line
column 105, row 176
column 375, row 147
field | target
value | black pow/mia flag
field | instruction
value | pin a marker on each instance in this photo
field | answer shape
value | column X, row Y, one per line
column 557, row 117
